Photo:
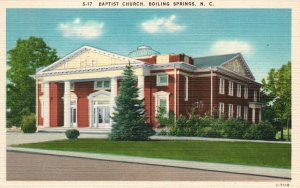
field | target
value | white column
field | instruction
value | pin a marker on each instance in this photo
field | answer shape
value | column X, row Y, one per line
column 141, row 86
column 259, row 116
column 113, row 93
column 253, row 115
column 46, row 106
column 67, row 103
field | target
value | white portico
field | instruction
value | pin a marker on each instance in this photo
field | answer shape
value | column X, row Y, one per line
column 80, row 89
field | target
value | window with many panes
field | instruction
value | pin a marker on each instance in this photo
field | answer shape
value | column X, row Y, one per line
column 162, row 80
column 230, row 88
column 238, row 111
column 245, row 112
column 246, row 92
column 238, row 90
column 230, row 111
column 102, row 84
column 254, row 95
column 221, row 109
column 221, row 86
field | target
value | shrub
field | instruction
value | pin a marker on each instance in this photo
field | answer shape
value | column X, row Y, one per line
column 235, row 128
column 72, row 134
column 162, row 133
column 180, row 127
column 28, row 123
column 261, row 131
column 163, row 119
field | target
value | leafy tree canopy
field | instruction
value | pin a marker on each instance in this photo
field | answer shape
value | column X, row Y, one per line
column 276, row 93
column 23, row 60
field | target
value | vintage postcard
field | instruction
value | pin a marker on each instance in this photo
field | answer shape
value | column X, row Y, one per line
column 149, row 93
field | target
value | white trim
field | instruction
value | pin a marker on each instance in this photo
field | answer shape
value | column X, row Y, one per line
column 221, row 86
column 113, row 95
column 101, row 88
column 253, row 115
column 111, row 104
column 238, row 90
column 76, row 107
column 230, row 88
column 83, row 49
column 158, row 83
column 67, row 104
column 186, row 88
column 221, row 109
column 254, row 95
column 141, row 86
column 238, row 111
column 243, row 63
column 246, row 113
column 230, row 111
column 246, row 92
column 161, row 95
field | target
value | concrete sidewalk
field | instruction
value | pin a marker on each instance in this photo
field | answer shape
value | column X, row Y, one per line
column 219, row 167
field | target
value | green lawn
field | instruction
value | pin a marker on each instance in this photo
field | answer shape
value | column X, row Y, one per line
column 246, row 153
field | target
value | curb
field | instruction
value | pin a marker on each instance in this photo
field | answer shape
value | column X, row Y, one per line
column 218, row 167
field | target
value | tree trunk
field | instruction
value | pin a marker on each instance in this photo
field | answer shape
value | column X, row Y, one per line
column 281, row 133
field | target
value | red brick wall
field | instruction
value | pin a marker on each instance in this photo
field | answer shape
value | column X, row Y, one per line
column 83, row 90
column 234, row 99
column 56, row 104
column 150, row 88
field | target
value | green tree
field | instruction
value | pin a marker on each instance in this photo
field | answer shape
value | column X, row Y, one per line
column 129, row 121
column 23, row 60
column 276, row 96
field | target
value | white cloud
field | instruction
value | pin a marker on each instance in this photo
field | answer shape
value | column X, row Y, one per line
column 231, row 46
column 162, row 25
column 85, row 30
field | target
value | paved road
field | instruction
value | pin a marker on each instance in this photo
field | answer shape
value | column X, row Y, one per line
column 27, row 166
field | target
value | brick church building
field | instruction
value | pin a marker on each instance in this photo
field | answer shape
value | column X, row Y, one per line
column 79, row 90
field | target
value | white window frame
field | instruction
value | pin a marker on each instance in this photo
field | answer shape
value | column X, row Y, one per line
column 186, row 88
column 255, row 96
column 221, row 86
column 238, row 111
column 246, row 112
column 230, row 111
column 98, row 88
column 161, row 95
column 246, row 92
column 221, row 109
column 158, row 83
column 238, row 90
column 230, row 88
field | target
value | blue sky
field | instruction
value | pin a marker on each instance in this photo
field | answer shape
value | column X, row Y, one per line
column 263, row 36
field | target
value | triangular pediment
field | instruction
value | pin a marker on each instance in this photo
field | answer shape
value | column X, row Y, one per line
column 88, row 57
column 238, row 66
